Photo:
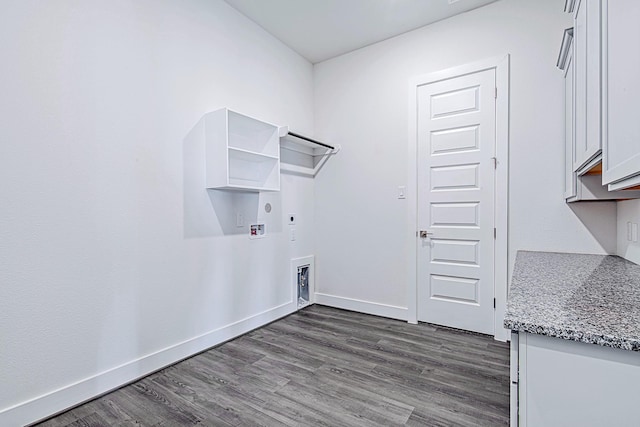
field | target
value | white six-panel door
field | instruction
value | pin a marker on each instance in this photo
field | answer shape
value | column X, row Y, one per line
column 456, row 190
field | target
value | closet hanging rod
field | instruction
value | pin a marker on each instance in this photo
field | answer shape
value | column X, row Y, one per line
column 313, row 141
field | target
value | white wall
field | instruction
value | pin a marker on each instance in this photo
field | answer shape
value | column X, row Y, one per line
column 114, row 259
column 361, row 102
column 628, row 211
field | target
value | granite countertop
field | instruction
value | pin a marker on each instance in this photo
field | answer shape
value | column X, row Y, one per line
column 588, row 298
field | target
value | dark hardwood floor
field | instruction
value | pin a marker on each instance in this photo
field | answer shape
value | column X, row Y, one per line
column 321, row 367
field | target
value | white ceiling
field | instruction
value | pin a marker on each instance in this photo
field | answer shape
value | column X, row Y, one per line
column 322, row 29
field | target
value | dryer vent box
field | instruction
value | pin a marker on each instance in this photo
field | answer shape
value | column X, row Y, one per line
column 302, row 279
column 303, row 286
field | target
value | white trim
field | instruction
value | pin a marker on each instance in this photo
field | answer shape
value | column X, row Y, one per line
column 66, row 397
column 367, row 307
column 412, row 204
column 501, row 261
column 632, row 181
column 501, row 66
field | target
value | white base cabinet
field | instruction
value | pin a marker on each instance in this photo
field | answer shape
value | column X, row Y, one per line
column 567, row 383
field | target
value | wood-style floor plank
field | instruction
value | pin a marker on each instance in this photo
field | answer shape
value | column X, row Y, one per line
column 320, row 367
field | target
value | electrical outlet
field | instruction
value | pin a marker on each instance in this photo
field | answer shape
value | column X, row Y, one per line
column 292, row 234
column 239, row 220
column 629, row 235
column 634, row 232
column 257, row 231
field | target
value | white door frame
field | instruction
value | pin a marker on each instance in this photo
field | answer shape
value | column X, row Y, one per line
column 501, row 66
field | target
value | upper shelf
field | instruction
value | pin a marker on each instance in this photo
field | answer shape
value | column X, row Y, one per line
column 302, row 155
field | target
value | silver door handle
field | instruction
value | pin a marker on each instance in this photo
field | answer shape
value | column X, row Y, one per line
column 424, row 234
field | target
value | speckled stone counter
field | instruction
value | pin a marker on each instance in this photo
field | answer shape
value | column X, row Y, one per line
column 588, row 298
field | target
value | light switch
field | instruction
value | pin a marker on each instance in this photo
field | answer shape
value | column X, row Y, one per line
column 402, row 192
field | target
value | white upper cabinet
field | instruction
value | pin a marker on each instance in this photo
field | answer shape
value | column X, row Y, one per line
column 601, row 132
column 242, row 153
column 586, row 50
column 586, row 185
column 621, row 93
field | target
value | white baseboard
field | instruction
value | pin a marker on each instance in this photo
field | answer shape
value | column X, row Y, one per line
column 377, row 309
column 66, row 397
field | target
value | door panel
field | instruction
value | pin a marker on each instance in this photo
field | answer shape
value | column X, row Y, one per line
column 454, row 102
column 456, row 177
column 454, row 289
column 458, row 252
column 454, row 215
column 454, row 140
column 456, row 186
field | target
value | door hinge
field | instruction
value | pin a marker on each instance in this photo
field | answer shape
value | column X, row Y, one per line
column 495, row 162
column 495, row 233
column 494, row 303
column 495, row 95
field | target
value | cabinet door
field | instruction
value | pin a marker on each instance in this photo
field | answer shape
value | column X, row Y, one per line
column 621, row 90
column 587, row 42
column 567, row 383
column 570, row 175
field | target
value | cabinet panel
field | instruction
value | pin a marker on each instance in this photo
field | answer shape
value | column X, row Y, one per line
column 513, row 389
column 570, row 176
column 566, row 383
column 587, row 42
column 580, row 84
column 594, row 101
column 621, row 91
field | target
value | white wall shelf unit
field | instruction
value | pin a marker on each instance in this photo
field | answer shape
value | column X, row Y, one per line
column 242, row 153
column 301, row 155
